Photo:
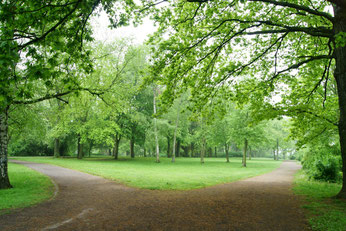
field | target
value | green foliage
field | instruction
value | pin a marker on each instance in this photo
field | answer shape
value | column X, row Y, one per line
column 29, row 188
column 30, row 148
column 323, row 214
column 145, row 173
column 322, row 162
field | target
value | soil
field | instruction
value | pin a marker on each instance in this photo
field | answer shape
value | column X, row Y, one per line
column 87, row 202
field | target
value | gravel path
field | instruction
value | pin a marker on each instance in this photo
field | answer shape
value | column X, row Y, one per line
column 86, row 202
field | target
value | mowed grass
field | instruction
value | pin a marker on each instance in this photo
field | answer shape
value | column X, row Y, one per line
column 184, row 174
column 29, row 188
column 324, row 213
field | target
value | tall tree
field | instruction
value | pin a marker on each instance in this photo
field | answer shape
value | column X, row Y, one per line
column 51, row 35
column 294, row 47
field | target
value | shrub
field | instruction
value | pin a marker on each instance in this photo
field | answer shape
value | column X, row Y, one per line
column 324, row 167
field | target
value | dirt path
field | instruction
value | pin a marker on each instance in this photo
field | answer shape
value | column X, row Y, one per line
column 87, row 202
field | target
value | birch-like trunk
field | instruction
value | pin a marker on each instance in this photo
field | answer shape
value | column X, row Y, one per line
column 244, row 152
column 155, row 130
column 4, row 180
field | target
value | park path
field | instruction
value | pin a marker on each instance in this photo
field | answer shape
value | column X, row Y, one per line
column 87, row 202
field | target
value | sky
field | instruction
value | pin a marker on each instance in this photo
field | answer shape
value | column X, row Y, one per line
column 102, row 32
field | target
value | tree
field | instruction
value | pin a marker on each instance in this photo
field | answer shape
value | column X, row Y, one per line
column 294, row 47
column 41, row 44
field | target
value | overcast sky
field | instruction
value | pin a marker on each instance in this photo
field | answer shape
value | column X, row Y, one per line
column 103, row 33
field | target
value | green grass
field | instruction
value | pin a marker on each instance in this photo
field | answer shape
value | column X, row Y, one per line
column 186, row 173
column 29, row 188
column 324, row 213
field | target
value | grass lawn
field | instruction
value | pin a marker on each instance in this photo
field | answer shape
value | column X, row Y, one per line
column 29, row 187
column 324, row 213
column 186, row 173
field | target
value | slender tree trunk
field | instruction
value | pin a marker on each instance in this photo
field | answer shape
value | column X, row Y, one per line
column 144, row 152
column 132, row 147
column 155, row 130
column 168, row 147
column 79, row 148
column 4, row 180
column 177, row 149
column 175, row 133
column 340, row 77
column 215, row 151
column 277, row 149
column 56, row 147
column 244, row 152
column 116, row 146
column 249, row 152
column 227, row 153
column 203, row 150
column 274, row 153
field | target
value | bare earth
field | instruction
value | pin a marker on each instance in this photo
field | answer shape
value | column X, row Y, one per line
column 86, row 202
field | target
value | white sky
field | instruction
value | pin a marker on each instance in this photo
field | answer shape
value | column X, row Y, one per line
column 103, row 33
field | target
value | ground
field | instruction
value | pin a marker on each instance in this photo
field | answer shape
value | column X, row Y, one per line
column 87, row 202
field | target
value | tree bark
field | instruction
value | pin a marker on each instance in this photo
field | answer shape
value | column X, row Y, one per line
column 215, row 151
column 249, row 152
column 340, row 77
column 244, row 152
column 132, row 147
column 277, row 149
column 168, row 147
column 56, row 147
column 79, row 148
column 4, row 180
column 203, row 150
column 155, row 130
column 177, row 149
column 116, row 146
column 227, row 152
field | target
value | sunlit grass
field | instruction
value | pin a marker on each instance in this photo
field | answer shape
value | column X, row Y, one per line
column 325, row 213
column 184, row 174
column 29, row 187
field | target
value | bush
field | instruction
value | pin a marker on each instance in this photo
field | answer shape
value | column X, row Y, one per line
column 30, row 148
column 326, row 170
column 322, row 167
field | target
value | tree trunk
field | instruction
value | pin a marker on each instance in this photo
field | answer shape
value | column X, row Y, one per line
column 79, row 148
column 203, row 150
column 155, row 131
column 132, row 147
column 168, row 147
column 56, row 147
column 274, row 153
column 215, row 151
column 177, row 149
column 227, row 153
column 249, row 152
column 4, row 180
column 116, row 146
column 340, row 77
column 90, row 148
column 244, row 152
column 277, row 149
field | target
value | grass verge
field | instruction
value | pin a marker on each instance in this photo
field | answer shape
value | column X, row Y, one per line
column 29, row 187
column 324, row 213
column 184, row 174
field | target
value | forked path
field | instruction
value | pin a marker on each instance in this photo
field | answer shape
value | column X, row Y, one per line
column 86, row 202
